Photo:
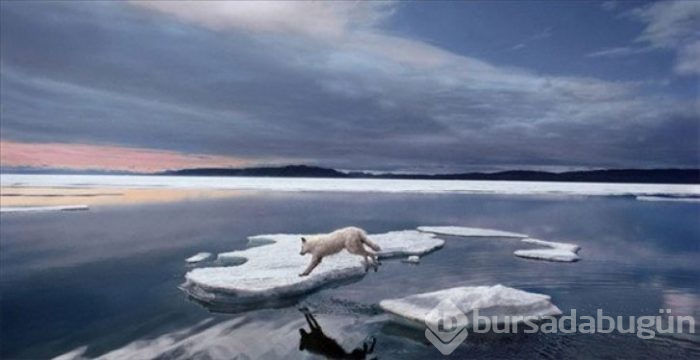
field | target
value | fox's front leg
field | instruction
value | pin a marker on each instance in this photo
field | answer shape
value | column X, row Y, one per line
column 375, row 259
column 314, row 262
column 375, row 262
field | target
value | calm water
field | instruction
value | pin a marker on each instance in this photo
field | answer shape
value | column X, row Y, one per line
column 107, row 278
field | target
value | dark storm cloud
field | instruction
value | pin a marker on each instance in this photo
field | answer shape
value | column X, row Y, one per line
column 352, row 97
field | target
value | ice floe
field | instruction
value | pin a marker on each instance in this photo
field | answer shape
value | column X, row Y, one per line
column 198, row 257
column 469, row 232
column 75, row 354
column 412, row 259
column 547, row 254
column 552, row 251
column 43, row 208
column 552, row 244
column 499, row 303
column 406, row 243
column 270, row 272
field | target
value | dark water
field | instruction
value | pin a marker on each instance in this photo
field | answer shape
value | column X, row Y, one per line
column 107, row 278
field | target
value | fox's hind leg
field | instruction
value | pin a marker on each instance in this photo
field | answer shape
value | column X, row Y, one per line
column 370, row 258
column 358, row 249
column 372, row 255
column 375, row 258
column 366, row 261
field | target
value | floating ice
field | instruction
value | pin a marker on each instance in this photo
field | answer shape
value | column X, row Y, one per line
column 554, row 251
column 547, row 254
column 494, row 302
column 43, row 208
column 198, row 257
column 406, row 243
column 412, row 259
column 270, row 272
column 469, row 232
column 75, row 354
column 552, row 244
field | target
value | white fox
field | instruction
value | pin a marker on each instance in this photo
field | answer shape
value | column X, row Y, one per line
column 349, row 238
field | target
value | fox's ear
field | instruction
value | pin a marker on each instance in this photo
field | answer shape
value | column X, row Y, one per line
column 303, row 240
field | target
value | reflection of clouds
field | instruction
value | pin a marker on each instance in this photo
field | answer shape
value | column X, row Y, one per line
column 609, row 231
column 270, row 335
column 46, row 241
column 618, row 251
column 204, row 340
column 47, row 196
column 682, row 303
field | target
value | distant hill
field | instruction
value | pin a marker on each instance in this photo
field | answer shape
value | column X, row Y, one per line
column 661, row 176
column 283, row 171
column 667, row 176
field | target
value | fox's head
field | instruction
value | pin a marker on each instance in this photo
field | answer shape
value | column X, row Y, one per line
column 304, row 246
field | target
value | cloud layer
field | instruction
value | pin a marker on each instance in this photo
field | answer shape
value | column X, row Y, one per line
column 264, row 81
column 668, row 25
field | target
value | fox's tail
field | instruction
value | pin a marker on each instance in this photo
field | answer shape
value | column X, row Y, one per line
column 369, row 242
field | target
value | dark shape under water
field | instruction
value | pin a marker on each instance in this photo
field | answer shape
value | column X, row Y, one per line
column 318, row 343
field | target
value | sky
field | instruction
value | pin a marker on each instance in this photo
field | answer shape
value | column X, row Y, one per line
column 388, row 86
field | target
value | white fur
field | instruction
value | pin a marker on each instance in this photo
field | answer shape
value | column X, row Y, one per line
column 351, row 239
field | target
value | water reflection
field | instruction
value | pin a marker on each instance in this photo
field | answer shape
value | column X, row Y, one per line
column 317, row 342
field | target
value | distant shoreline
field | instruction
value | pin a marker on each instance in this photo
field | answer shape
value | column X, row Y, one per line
column 651, row 176
column 632, row 176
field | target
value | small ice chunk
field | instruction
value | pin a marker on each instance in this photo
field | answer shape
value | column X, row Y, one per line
column 500, row 304
column 413, row 259
column 469, row 232
column 552, row 244
column 269, row 272
column 43, row 208
column 548, row 254
column 198, row 257
column 553, row 251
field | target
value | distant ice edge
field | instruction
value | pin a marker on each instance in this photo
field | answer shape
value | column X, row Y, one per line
column 474, row 187
column 690, row 199
column 31, row 209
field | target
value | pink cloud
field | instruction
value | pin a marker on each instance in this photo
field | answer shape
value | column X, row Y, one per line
column 99, row 157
